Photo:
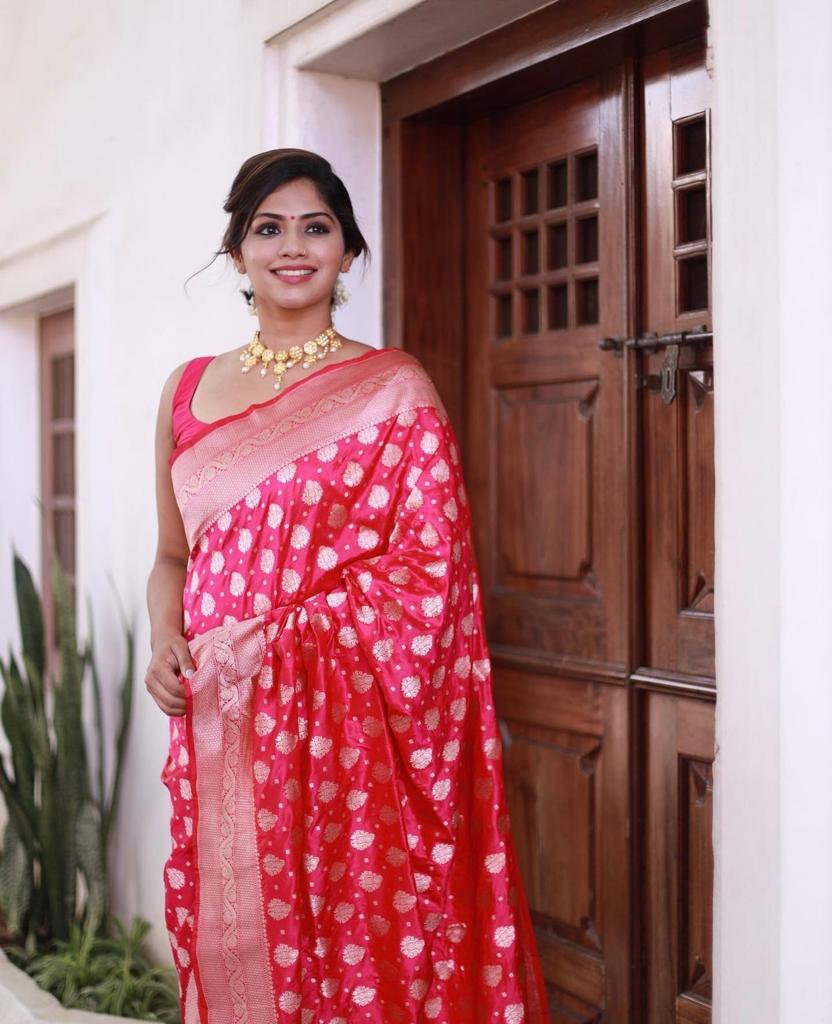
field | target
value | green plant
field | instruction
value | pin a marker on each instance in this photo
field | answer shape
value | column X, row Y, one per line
column 58, row 828
column 105, row 974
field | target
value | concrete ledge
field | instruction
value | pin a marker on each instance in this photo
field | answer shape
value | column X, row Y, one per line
column 22, row 1001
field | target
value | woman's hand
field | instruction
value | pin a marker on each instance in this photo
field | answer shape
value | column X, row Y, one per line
column 170, row 659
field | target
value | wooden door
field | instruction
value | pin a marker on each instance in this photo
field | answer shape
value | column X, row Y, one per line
column 546, row 459
column 578, row 183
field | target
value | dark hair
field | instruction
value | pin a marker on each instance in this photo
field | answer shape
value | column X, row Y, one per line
column 262, row 173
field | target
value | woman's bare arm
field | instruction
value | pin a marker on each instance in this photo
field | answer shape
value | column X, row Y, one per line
column 169, row 649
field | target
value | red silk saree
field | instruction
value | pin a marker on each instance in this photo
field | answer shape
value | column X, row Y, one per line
column 341, row 846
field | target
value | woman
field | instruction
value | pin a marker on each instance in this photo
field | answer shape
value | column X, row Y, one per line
column 341, row 847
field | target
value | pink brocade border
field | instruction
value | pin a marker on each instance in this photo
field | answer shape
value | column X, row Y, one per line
column 220, row 467
column 230, row 932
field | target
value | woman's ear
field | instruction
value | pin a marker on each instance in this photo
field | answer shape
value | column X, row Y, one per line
column 346, row 262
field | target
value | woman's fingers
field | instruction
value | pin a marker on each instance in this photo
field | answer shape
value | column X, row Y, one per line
column 185, row 663
column 163, row 680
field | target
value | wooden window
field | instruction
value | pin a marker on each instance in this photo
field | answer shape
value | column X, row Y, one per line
column 57, row 417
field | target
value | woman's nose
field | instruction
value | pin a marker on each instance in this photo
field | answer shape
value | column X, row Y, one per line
column 292, row 243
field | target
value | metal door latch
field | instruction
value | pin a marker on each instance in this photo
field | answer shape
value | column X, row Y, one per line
column 666, row 380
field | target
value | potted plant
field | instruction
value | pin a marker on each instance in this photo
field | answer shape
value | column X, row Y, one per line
column 59, row 823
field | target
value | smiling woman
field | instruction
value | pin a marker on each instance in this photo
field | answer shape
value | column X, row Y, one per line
column 341, row 845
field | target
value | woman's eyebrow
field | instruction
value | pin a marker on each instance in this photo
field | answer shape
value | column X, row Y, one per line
column 303, row 216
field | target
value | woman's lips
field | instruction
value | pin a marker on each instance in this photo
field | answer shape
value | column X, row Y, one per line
column 293, row 278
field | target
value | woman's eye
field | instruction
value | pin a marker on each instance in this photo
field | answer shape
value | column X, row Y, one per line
column 324, row 229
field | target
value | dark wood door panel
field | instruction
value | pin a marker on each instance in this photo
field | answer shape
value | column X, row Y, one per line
column 565, row 749
column 677, row 885
column 546, row 246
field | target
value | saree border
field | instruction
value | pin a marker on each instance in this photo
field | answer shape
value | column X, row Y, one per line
column 219, row 695
column 237, row 456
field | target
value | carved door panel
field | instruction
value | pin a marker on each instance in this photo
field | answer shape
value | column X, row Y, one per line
column 546, row 466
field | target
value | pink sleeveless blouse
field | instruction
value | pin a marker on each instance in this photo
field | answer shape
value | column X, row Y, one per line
column 183, row 422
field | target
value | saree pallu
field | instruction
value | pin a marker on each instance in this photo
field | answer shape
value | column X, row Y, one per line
column 341, row 844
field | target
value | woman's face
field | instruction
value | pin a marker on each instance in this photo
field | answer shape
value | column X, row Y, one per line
column 283, row 235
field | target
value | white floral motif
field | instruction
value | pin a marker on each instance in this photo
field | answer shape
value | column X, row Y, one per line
column 429, row 442
column 421, row 758
column 253, row 498
column 391, row 455
column 383, row 650
column 495, row 862
column 300, row 536
column 441, row 853
column 441, row 789
column 411, row 946
column 353, row 474
column 312, row 492
column 369, row 881
column 285, row 955
column 360, row 839
column 363, row 994
column 428, row 536
column 244, row 539
column 367, row 538
column 379, row 496
column 327, row 558
column 237, row 584
column 285, row 473
column 275, row 515
column 440, row 471
column 290, row 580
column 263, row 724
column 327, row 791
column 320, row 746
column 289, row 1001
column 347, row 636
column 421, row 644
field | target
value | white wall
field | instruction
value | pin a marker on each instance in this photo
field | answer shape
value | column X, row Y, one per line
column 772, row 266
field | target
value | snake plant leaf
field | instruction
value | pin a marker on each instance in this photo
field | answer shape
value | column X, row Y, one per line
column 125, row 713
column 71, row 779
column 89, row 658
column 16, row 717
column 16, row 813
column 15, row 879
column 30, row 616
column 88, row 841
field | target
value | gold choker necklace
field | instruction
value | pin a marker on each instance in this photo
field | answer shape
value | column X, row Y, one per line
column 311, row 351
